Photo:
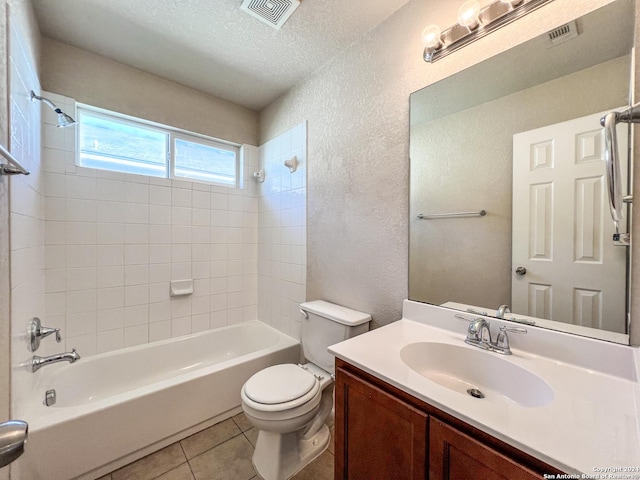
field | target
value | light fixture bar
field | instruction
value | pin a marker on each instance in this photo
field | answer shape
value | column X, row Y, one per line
column 491, row 17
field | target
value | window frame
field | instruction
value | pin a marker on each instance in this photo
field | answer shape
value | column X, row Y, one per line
column 208, row 142
column 172, row 134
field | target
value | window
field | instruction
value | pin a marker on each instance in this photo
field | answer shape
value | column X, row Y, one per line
column 109, row 141
column 201, row 160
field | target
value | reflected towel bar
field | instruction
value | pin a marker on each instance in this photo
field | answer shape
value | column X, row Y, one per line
column 481, row 213
column 14, row 167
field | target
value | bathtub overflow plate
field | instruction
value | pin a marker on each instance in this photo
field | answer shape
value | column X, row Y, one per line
column 50, row 397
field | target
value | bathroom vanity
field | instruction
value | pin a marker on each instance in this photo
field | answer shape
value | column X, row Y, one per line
column 407, row 404
column 382, row 432
column 502, row 213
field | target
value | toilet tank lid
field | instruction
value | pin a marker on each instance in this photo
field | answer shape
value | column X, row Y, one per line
column 337, row 313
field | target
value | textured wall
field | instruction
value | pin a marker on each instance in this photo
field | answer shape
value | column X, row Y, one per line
column 98, row 81
column 357, row 108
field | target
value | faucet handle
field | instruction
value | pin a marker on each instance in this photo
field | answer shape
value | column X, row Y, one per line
column 38, row 332
column 504, row 328
column 46, row 331
column 502, row 341
column 474, row 322
column 466, row 318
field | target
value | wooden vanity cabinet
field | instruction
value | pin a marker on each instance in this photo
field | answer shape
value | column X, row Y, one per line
column 381, row 437
column 456, row 456
column 383, row 433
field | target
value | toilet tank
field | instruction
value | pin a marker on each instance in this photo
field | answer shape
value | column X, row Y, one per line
column 326, row 324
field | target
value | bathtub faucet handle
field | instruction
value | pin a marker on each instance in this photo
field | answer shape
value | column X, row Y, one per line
column 46, row 331
column 38, row 332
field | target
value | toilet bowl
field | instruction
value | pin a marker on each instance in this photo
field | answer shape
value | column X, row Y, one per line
column 289, row 404
column 289, row 416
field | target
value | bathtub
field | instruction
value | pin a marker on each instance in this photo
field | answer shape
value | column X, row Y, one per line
column 116, row 407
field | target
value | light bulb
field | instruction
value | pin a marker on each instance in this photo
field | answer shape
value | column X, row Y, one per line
column 431, row 37
column 468, row 14
column 513, row 3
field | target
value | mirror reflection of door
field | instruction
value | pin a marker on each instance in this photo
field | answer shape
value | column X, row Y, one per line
column 562, row 229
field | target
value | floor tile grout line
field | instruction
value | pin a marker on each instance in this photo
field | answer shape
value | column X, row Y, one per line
column 248, row 439
column 234, row 421
column 188, row 460
column 171, row 470
column 212, row 447
column 193, row 475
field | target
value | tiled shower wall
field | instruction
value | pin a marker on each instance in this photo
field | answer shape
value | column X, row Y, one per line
column 114, row 241
column 282, row 251
column 26, row 220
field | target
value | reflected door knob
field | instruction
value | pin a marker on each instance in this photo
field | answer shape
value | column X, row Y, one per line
column 521, row 271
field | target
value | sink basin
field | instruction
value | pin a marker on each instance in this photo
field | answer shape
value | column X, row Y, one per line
column 483, row 375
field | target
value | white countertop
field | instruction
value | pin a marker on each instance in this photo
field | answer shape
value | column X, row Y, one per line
column 592, row 423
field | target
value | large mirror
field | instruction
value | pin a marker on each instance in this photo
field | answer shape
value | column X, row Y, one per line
column 508, row 195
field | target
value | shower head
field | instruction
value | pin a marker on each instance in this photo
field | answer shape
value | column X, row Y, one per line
column 64, row 120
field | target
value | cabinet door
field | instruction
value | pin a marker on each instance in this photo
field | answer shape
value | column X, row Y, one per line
column 456, row 456
column 378, row 436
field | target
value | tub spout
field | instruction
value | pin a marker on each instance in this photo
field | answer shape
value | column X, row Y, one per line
column 38, row 362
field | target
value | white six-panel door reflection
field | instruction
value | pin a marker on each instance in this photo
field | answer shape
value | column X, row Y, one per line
column 562, row 229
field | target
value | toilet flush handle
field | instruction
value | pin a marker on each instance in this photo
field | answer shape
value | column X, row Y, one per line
column 304, row 314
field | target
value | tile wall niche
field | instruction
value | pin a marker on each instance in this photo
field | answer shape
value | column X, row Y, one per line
column 114, row 241
column 282, row 232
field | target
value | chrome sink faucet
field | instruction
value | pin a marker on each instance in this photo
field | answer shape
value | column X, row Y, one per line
column 502, row 309
column 39, row 362
column 479, row 332
column 479, row 335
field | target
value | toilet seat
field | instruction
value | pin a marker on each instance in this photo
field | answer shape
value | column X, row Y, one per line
column 280, row 387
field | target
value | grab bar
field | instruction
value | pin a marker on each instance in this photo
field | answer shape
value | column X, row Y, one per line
column 14, row 167
column 431, row 216
column 612, row 164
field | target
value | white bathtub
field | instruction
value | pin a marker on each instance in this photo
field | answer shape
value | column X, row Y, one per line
column 116, row 407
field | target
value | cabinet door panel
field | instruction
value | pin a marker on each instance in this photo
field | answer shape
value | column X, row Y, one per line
column 378, row 436
column 457, row 456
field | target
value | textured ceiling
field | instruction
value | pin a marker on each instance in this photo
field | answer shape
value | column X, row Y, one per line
column 213, row 46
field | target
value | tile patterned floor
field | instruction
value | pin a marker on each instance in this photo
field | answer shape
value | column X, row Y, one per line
column 221, row 452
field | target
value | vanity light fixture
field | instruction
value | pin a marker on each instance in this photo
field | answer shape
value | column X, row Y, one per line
column 474, row 23
column 431, row 37
column 468, row 14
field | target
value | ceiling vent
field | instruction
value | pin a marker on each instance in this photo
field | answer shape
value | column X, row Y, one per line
column 563, row 33
column 271, row 12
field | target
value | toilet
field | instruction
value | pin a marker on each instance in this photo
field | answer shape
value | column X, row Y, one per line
column 289, row 404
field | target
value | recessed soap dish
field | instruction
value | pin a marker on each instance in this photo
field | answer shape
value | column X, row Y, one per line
column 181, row 287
